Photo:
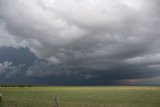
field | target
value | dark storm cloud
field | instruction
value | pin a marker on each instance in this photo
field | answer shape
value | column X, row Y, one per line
column 14, row 61
column 93, row 40
column 17, row 56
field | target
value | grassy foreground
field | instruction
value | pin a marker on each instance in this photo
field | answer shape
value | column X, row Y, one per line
column 111, row 96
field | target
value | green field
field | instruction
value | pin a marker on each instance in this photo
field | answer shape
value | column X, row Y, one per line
column 109, row 96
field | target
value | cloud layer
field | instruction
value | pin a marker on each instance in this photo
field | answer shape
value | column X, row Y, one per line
column 103, row 39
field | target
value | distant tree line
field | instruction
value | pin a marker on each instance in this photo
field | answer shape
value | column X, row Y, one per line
column 24, row 85
column 14, row 85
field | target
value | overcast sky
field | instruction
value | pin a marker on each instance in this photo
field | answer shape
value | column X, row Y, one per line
column 80, row 42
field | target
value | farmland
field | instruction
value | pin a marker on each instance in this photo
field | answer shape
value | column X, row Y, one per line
column 67, row 96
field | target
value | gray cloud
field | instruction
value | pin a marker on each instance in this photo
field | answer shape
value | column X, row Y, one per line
column 106, row 38
column 8, row 40
column 43, row 68
column 7, row 69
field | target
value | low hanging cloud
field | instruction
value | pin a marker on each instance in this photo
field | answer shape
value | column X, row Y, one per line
column 7, row 69
column 94, row 38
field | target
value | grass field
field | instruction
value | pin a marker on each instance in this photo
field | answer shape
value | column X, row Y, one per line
column 111, row 96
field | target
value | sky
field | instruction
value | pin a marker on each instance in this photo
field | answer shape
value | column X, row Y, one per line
column 80, row 42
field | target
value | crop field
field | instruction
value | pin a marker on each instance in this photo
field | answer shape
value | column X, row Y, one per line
column 65, row 96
